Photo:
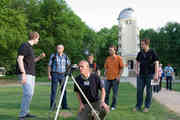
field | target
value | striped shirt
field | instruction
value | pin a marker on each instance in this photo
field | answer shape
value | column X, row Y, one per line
column 59, row 63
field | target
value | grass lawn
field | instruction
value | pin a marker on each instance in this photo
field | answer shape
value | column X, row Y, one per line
column 176, row 86
column 14, row 79
column 10, row 98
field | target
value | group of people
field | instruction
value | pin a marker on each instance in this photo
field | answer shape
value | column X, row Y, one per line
column 89, row 80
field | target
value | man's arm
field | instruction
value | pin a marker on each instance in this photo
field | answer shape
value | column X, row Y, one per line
column 81, row 107
column 156, row 70
column 39, row 57
column 103, row 104
column 21, row 67
column 103, row 94
column 49, row 72
column 137, row 68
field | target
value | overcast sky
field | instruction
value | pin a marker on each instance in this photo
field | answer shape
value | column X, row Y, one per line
column 104, row 13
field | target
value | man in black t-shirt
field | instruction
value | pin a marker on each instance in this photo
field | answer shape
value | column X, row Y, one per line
column 90, row 84
column 147, row 64
column 25, row 69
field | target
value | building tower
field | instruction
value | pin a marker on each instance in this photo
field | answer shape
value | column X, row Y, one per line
column 128, row 38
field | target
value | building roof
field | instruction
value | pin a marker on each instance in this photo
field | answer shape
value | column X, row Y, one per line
column 126, row 13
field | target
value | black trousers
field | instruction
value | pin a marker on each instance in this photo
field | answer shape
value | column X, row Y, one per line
column 169, row 82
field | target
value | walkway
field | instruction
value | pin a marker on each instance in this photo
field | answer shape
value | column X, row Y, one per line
column 170, row 99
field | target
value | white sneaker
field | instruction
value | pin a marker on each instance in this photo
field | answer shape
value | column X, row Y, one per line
column 113, row 108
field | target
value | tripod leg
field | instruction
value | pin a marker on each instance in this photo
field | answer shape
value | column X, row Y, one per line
column 61, row 97
column 57, row 94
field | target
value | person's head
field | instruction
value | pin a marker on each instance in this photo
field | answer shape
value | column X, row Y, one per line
column 145, row 43
column 34, row 37
column 112, row 50
column 91, row 58
column 169, row 64
column 84, row 67
column 60, row 49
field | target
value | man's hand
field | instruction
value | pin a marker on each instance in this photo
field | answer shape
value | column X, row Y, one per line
column 24, row 78
column 118, row 79
column 105, row 106
column 81, row 107
column 42, row 55
column 137, row 73
column 156, row 76
column 49, row 77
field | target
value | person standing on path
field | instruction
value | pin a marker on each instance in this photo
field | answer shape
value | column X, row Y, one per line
column 25, row 69
column 113, row 71
column 147, row 68
column 169, row 72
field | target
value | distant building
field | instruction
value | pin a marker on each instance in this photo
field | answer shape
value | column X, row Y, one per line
column 128, row 38
column 2, row 71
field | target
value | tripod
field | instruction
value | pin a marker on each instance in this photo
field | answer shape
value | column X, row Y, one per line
column 69, row 74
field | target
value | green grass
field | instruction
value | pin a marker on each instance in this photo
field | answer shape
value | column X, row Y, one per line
column 176, row 86
column 14, row 78
column 10, row 98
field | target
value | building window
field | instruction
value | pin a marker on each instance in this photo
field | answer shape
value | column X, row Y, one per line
column 131, row 64
column 128, row 22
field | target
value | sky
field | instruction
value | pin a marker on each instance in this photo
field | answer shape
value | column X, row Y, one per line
column 104, row 13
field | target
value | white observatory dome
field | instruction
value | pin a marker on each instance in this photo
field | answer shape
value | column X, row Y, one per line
column 126, row 13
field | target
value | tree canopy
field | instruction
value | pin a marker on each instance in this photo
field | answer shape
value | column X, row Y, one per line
column 58, row 24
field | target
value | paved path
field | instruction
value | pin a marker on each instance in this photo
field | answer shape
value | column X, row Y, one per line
column 170, row 99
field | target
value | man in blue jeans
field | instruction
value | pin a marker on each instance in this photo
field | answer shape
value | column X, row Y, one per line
column 147, row 60
column 25, row 69
column 57, row 66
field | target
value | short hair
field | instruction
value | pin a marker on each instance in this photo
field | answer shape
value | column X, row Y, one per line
column 91, row 54
column 60, row 45
column 33, row 35
column 114, row 47
column 146, row 41
column 85, row 61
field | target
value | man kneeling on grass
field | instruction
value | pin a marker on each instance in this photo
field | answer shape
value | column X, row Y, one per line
column 90, row 84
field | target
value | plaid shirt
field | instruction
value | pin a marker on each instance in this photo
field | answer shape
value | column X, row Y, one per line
column 60, row 63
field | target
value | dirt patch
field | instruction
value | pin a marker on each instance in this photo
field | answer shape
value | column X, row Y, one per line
column 8, row 82
column 66, row 114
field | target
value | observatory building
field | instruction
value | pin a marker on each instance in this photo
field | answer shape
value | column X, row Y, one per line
column 128, row 38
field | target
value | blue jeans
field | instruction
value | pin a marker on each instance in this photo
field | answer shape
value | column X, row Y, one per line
column 28, row 91
column 114, row 84
column 57, row 78
column 143, row 81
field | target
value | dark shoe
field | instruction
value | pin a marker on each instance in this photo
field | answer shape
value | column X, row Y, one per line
column 30, row 116
column 66, row 108
column 22, row 118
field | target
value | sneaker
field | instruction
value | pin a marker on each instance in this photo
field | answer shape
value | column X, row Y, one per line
column 30, row 116
column 136, row 109
column 113, row 108
column 146, row 110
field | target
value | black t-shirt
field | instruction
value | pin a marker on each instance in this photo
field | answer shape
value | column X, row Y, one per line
column 90, row 87
column 94, row 66
column 26, row 50
column 147, row 61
